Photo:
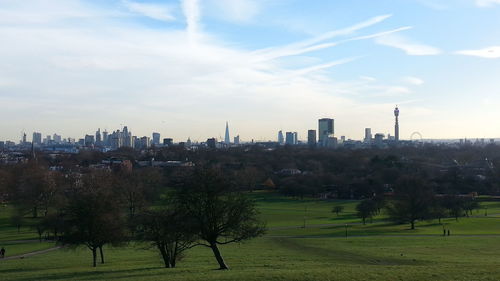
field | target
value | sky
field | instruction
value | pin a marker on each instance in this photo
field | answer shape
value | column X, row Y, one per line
column 184, row 68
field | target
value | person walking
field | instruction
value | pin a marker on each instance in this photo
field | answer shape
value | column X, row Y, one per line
column 448, row 232
column 2, row 253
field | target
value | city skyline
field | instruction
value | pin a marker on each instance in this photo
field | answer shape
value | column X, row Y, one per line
column 182, row 68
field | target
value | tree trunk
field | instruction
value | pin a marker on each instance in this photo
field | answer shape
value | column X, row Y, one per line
column 412, row 224
column 218, row 256
column 102, row 255
column 35, row 212
column 94, row 256
column 164, row 255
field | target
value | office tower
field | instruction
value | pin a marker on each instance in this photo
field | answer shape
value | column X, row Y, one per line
column 168, row 141
column 98, row 139
column 156, row 138
column 325, row 129
column 396, row 126
column 281, row 139
column 295, row 138
column 105, row 139
column 211, row 143
column 368, row 135
column 311, row 138
column 237, row 140
column 379, row 140
column 47, row 140
column 145, row 142
column 57, row 138
column 23, row 141
column 126, row 138
column 227, row 140
column 89, row 140
column 37, row 138
column 291, row 138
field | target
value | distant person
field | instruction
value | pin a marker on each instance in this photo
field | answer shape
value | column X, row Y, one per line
column 448, row 232
column 2, row 253
column 444, row 232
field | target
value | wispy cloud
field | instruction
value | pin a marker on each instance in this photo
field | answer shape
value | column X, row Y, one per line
column 413, row 80
column 408, row 46
column 487, row 3
column 488, row 52
column 239, row 10
column 160, row 12
column 191, row 9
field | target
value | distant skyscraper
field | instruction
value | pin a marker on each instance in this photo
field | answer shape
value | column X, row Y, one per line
column 396, row 126
column 281, row 139
column 368, row 135
column 295, row 138
column 325, row 129
column 227, row 139
column 291, row 138
column 105, row 138
column 23, row 141
column 37, row 138
column 237, row 140
column 98, row 139
column 89, row 140
column 156, row 138
column 311, row 138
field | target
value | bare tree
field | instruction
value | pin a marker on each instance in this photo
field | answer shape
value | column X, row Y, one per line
column 91, row 216
column 168, row 230
column 220, row 214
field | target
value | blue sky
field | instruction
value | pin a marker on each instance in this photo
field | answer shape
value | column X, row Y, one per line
column 183, row 68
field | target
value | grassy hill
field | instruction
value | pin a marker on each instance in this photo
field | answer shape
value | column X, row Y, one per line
column 320, row 251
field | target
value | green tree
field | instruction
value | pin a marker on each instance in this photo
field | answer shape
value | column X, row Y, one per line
column 413, row 201
column 366, row 209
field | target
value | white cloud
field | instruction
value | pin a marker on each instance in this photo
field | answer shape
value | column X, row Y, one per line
column 191, row 9
column 407, row 45
column 488, row 52
column 161, row 12
column 487, row 3
column 413, row 80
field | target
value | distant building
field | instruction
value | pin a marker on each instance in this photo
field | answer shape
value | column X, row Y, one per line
column 396, row 126
column 37, row 138
column 281, row 139
column 311, row 138
column 237, row 140
column 325, row 129
column 368, row 136
column 156, row 139
column 98, row 139
column 145, row 142
column 212, row 143
column 227, row 139
column 57, row 138
column 291, row 138
column 379, row 140
column 168, row 142
column 89, row 140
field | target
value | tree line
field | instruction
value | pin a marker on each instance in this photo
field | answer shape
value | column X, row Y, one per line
column 95, row 208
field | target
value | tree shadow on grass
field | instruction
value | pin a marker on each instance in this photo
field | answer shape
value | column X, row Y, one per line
column 94, row 275
column 339, row 256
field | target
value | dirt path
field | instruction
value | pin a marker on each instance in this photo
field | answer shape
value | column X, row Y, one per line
column 22, row 256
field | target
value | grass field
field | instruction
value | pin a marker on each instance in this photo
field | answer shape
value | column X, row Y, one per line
column 377, row 251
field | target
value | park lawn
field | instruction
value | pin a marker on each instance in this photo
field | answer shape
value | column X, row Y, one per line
column 464, row 226
column 15, row 248
column 360, row 258
column 278, row 210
